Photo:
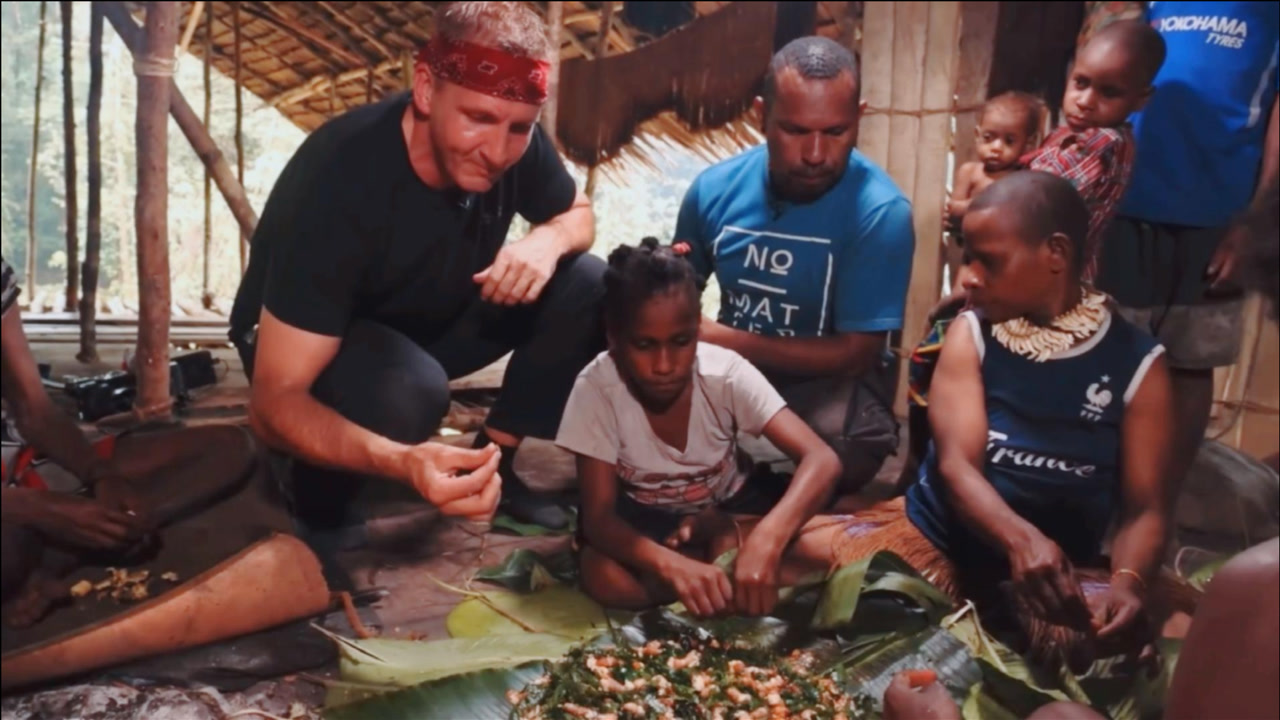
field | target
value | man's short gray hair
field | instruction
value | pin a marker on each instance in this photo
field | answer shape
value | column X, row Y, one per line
column 814, row 58
column 512, row 27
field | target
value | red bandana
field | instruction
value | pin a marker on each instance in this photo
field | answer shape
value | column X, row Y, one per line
column 487, row 70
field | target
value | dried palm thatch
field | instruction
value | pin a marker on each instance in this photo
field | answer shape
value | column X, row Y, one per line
column 314, row 60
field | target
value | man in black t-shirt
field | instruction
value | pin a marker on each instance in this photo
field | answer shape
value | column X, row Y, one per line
column 379, row 272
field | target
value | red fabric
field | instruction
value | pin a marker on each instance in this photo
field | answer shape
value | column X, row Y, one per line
column 1099, row 163
column 24, row 464
column 487, row 70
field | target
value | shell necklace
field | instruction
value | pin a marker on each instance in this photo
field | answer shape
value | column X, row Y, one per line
column 1039, row 342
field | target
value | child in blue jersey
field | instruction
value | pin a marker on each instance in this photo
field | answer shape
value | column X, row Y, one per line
column 1050, row 419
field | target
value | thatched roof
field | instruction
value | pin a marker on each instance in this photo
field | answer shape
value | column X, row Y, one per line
column 312, row 60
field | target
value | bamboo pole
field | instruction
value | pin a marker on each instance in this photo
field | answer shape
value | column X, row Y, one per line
column 93, row 223
column 601, row 51
column 406, row 69
column 189, row 122
column 368, row 87
column 235, row 21
column 69, row 162
column 35, row 157
column 555, row 17
column 333, row 97
column 206, row 297
column 193, row 21
column 154, row 67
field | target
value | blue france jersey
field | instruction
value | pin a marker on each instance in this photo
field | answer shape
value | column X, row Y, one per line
column 838, row 264
column 1053, row 440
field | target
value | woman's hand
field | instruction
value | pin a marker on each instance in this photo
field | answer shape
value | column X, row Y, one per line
column 1116, row 609
column 1046, row 581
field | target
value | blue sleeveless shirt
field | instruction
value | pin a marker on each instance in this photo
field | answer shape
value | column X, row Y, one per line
column 1053, row 440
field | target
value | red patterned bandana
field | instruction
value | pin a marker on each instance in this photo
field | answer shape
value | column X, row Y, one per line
column 487, row 70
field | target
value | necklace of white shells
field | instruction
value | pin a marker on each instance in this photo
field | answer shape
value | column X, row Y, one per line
column 1040, row 342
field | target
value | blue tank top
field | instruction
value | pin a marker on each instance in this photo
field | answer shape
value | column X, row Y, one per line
column 1053, row 440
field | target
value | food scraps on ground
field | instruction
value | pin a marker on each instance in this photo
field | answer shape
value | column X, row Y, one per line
column 686, row 677
column 121, row 585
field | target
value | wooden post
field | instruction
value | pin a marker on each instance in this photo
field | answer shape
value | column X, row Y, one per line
column 368, row 87
column 244, row 236
column 35, row 157
column 189, row 122
column 69, row 160
column 601, row 51
column 333, row 97
column 406, row 69
column 978, row 21
column 206, row 297
column 93, row 223
column 555, row 19
column 154, row 67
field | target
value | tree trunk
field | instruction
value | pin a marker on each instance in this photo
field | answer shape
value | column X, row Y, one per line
column 187, row 120
column 555, row 18
column 154, row 68
column 35, row 157
column 69, row 140
column 93, row 224
column 206, row 296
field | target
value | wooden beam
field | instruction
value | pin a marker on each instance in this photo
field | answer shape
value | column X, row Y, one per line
column 336, row 28
column 322, row 83
column 369, row 87
column 341, row 17
column 406, row 69
column 239, row 141
column 193, row 21
column 207, row 150
column 555, row 24
column 93, row 223
column 69, row 163
column 978, row 21
column 154, row 67
column 206, row 297
column 32, row 249
column 582, row 48
column 602, row 36
column 313, row 42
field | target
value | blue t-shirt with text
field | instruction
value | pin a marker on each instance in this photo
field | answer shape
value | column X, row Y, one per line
column 1200, row 137
column 838, row 264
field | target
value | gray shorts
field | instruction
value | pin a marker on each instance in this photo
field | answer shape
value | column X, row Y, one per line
column 853, row 415
column 1156, row 273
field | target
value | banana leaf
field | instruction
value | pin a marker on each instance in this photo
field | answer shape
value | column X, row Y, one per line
column 556, row 609
column 477, row 696
column 503, row 521
column 526, row 570
column 403, row 663
column 881, row 572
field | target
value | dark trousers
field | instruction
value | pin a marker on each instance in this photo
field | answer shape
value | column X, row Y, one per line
column 387, row 383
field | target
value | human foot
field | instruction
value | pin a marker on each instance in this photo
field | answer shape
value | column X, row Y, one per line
column 34, row 600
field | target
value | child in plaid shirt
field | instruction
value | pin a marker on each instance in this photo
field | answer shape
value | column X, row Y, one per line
column 1110, row 79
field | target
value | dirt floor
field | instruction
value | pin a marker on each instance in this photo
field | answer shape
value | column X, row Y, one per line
column 409, row 547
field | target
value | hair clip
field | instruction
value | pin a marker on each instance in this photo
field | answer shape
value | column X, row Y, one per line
column 681, row 248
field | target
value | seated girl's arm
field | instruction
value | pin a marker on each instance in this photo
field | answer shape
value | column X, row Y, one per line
column 962, row 193
column 1147, row 445
column 702, row 587
column 757, row 569
column 958, row 416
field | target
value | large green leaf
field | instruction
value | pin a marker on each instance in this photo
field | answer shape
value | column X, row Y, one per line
column 526, row 570
column 1008, row 678
column 556, row 609
column 503, row 521
column 881, row 572
column 403, row 663
column 478, row 695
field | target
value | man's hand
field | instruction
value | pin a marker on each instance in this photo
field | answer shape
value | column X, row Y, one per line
column 85, row 523
column 755, row 574
column 116, row 493
column 1044, row 577
column 521, row 270
column 1222, row 268
column 459, row 482
column 702, row 587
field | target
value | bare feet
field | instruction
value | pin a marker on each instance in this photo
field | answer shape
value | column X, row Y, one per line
column 34, row 600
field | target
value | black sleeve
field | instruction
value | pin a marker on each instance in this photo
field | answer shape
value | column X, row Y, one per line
column 544, row 187
column 318, row 256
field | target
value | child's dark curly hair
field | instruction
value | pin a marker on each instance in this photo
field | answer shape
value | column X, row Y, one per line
column 639, row 272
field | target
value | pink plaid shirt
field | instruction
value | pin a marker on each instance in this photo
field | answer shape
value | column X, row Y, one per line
column 1099, row 163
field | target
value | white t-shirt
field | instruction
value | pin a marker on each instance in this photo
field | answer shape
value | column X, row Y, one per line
column 604, row 421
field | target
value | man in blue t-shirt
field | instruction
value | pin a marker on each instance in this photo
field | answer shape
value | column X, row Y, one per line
column 811, row 245
column 1207, row 142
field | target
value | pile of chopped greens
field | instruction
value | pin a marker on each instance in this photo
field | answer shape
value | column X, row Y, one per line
column 687, row 676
